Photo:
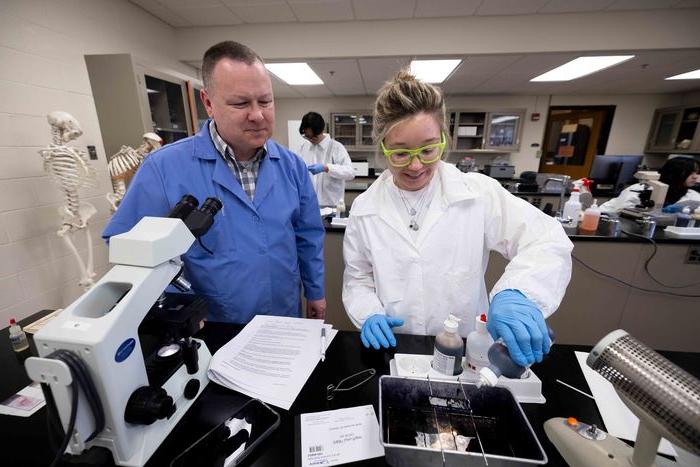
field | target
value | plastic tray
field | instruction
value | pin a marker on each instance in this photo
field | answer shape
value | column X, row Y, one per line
column 682, row 232
column 527, row 390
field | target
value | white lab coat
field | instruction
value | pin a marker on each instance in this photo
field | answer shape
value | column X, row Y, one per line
column 442, row 272
column 329, row 186
column 628, row 198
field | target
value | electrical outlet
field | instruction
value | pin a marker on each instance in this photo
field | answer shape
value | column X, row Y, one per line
column 693, row 256
column 92, row 152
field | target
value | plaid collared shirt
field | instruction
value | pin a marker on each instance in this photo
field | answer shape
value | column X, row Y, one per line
column 246, row 172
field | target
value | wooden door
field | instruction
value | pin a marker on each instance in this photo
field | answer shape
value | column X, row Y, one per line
column 571, row 142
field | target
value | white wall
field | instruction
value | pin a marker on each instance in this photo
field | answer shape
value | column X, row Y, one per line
column 633, row 116
column 42, row 43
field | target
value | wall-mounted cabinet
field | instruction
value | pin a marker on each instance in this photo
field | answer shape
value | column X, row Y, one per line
column 471, row 131
column 198, row 113
column 484, row 132
column 352, row 129
column 676, row 130
column 132, row 99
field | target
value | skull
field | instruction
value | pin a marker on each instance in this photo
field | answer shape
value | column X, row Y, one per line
column 67, row 126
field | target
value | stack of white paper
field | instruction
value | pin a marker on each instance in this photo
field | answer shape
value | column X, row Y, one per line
column 271, row 358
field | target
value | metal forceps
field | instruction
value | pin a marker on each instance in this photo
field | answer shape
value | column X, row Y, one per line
column 358, row 379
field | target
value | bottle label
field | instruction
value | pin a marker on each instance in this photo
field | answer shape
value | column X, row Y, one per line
column 446, row 364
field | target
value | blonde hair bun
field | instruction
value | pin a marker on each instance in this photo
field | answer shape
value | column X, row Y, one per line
column 405, row 96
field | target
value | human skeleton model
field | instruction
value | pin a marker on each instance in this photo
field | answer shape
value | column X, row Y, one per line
column 70, row 169
column 124, row 163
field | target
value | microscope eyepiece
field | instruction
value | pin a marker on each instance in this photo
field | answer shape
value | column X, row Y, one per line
column 184, row 207
column 211, row 206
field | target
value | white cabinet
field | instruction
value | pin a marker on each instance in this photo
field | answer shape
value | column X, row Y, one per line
column 675, row 130
column 484, row 132
column 352, row 129
column 132, row 99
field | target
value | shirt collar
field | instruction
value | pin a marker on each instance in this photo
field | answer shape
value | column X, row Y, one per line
column 225, row 150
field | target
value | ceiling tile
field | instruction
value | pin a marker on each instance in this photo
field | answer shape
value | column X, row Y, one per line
column 170, row 17
column 320, row 10
column 485, row 64
column 277, row 12
column 575, row 6
column 536, row 64
column 280, row 89
column 465, row 83
column 314, row 91
column 208, row 15
column 345, row 79
column 445, row 8
column 510, row 7
column 174, row 4
column 376, row 71
column 641, row 4
column 383, row 9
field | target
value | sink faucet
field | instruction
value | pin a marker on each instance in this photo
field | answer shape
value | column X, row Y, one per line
column 564, row 180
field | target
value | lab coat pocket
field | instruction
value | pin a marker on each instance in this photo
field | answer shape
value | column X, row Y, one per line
column 460, row 296
column 389, row 276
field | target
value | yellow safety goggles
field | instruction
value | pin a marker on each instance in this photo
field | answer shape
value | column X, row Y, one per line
column 428, row 154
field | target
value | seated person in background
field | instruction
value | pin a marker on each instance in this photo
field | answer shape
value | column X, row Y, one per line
column 679, row 173
column 418, row 240
column 328, row 160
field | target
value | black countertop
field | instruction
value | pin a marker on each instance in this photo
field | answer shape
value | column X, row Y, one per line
column 25, row 440
column 630, row 233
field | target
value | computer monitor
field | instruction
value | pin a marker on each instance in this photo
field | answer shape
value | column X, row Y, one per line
column 614, row 172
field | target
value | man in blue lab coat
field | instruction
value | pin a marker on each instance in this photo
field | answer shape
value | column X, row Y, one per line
column 268, row 239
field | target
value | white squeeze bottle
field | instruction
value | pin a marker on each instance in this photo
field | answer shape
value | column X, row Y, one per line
column 340, row 208
column 18, row 338
column 449, row 349
column 572, row 208
column 478, row 343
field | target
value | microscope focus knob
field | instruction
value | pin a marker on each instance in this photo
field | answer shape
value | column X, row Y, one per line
column 148, row 404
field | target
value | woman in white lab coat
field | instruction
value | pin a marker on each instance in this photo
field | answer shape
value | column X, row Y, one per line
column 417, row 242
column 328, row 160
column 679, row 173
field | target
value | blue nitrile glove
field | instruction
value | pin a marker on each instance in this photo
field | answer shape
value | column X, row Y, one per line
column 672, row 208
column 520, row 324
column 316, row 168
column 376, row 330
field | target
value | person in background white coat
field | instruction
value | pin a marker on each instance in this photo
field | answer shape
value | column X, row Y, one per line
column 417, row 242
column 679, row 173
column 328, row 160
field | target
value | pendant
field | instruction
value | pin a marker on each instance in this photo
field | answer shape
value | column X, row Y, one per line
column 411, row 212
column 413, row 225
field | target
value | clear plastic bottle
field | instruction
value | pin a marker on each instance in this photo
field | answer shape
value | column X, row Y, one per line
column 479, row 341
column 572, row 208
column 18, row 338
column 591, row 217
column 449, row 349
column 501, row 364
column 340, row 208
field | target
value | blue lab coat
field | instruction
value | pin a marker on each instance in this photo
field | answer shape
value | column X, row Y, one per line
column 263, row 250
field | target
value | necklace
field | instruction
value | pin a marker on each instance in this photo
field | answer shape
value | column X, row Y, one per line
column 413, row 211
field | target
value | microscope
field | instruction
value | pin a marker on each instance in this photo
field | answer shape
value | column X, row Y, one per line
column 651, row 200
column 119, row 365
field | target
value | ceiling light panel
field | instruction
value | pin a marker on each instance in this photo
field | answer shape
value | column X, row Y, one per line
column 582, row 66
column 433, row 71
column 294, row 73
column 689, row 75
